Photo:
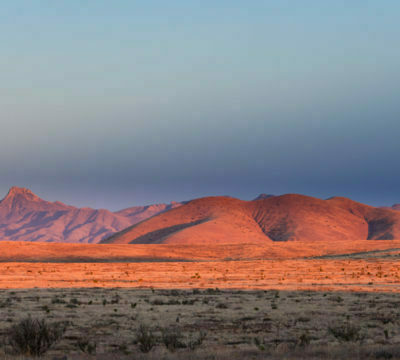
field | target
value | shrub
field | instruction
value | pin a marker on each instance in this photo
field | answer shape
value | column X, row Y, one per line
column 337, row 299
column 304, row 340
column 383, row 354
column 46, row 308
column 145, row 338
column 157, row 302
column 221, row 306
column 57, row 300
column 172, row 339
column 115, row 299
column 173, row 302
column 260, row 344
column 346, row 332
column 211, row 291
column 86, row 346
column 194, row 343
column 34, row 337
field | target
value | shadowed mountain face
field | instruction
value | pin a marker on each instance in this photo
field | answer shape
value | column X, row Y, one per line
column 278, row 218
column 26, row 217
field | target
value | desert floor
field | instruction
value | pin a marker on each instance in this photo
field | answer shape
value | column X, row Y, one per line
column 58, row 252
column 330, row 305
column 217, row 324
column 344, row 274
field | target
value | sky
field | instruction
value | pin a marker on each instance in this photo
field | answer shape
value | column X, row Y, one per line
column 111, row 104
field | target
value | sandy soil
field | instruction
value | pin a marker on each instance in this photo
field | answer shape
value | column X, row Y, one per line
column 319, row 274
column 368, row 269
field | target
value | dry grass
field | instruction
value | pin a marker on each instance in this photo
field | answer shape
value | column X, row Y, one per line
column 104, row 323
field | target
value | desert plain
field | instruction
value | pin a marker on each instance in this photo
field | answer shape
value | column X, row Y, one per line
column 320, row 300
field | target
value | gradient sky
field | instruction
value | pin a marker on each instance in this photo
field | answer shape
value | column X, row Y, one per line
column 120, row 103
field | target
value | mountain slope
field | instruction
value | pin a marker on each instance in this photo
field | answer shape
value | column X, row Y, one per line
column 140, row 213
column 26, row 217
column 278, row 218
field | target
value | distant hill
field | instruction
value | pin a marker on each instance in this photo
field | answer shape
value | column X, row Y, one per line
column 263, row 196
column 26, row 217
column 217, row 220
column 393, row 207
column 140, row 213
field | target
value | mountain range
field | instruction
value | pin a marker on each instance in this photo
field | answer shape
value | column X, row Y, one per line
column 291, row 217
column 26, row 217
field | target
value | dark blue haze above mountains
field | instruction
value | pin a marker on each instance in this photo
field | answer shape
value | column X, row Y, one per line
column 111, row 104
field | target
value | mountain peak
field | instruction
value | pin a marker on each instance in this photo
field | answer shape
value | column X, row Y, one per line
column 21, row 192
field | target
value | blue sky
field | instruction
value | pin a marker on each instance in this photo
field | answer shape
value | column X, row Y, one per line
column 112, row 104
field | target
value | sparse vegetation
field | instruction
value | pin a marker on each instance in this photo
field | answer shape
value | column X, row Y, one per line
column 196, row 341
column 305, row 324
column 221, row 305
column 346, row 332
column 172, row 338
column 87, row 346
column 145, row 338
column 74, row 301
column 34, row 337
column 57, row 300
column 304, row 340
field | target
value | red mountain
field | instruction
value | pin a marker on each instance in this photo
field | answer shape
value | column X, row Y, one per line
column 278, row 218
column 26, row 217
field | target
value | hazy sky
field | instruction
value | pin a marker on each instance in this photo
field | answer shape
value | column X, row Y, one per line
column 119, row 103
